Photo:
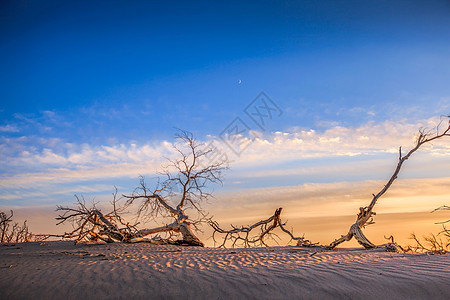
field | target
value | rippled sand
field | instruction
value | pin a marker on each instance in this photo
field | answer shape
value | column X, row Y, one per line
column 61, row 270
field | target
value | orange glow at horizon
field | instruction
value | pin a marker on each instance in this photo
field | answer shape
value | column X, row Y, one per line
column 320, row 212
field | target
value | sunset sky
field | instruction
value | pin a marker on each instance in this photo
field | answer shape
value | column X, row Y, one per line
column 92, row 94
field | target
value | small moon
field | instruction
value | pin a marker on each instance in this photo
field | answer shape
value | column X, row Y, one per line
column 240, row 81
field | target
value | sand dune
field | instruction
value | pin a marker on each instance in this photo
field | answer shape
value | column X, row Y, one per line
column 61, row 270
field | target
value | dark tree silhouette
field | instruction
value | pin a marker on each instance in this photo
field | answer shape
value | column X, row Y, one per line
column 15, row 233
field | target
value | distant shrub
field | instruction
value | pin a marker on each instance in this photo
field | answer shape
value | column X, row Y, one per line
column 434, row 243
column 13, row 233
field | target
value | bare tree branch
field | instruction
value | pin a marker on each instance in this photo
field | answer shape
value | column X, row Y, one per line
column 365, row 214
column 243, row 236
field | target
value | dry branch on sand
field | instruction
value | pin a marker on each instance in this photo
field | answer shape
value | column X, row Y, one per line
column 184, row 181
column 365, row 214
column 15, row 233
column 433, row 243
column 91, row 224
column 243, row 236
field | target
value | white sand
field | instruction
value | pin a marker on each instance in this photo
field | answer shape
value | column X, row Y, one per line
column 61, row 270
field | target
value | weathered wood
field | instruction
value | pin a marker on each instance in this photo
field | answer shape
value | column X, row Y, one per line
column 365, row 214
column 242, row 236
column 186, row 172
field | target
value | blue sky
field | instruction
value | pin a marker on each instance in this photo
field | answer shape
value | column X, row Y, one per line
column 91, row 93
column 134, row 72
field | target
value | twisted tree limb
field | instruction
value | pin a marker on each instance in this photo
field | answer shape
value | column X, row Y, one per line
column 365, row 214
column 242, row 236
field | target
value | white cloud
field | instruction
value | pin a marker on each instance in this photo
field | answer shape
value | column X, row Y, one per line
column 368, row 139
column 9, row 128
column 32, row 161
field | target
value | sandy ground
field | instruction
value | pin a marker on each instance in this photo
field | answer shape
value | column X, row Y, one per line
column 61, row 270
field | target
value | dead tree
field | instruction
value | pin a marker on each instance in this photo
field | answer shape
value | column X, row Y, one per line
column 434, row 244
column 4, row 225
column 186, row 181
column 445, row 231
column 182, row 186
column 365, row 215
column 15, row 233
column 243, row 236
column 91, row 224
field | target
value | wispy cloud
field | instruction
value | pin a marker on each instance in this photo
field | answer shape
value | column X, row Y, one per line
column 9, row 128
column 337, row 141
column 297, row 153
